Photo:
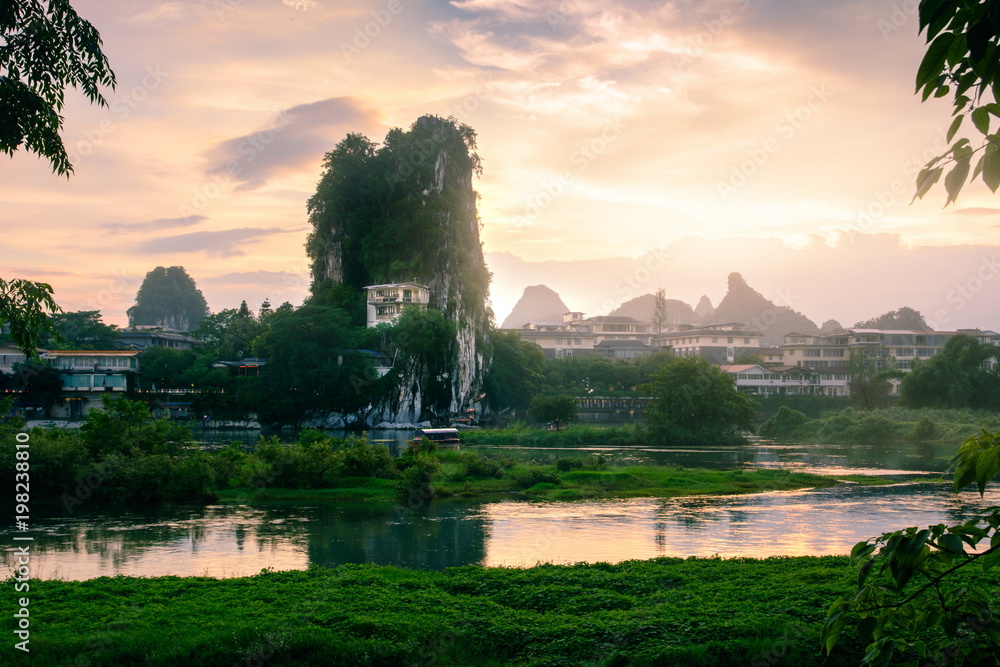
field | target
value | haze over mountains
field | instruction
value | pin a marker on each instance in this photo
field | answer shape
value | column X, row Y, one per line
column 855, row 278
column 741, row 304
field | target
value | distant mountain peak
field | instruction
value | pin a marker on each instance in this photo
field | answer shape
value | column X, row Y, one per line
column 538, row 303
column 643, row 308
column 747, row 306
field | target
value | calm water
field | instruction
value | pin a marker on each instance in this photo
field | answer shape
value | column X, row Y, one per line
column 232, row 540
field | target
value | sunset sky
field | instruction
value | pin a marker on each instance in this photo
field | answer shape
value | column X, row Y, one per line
column 606, row 129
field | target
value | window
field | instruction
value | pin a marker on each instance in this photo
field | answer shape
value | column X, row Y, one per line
column 833, row 353
column 746, row 341
column 729, row 340
column 715, row 339
column 811, row 353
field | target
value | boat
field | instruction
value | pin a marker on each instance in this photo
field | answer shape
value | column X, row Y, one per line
column 439, row 436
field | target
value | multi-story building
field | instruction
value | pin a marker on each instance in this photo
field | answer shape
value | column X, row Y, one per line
column 88, row 375
column 146, row 337
column 830, row 354
column 9, row 356
column 718, row 343
column 760, row 380
column 386, row 302
column 559, row 339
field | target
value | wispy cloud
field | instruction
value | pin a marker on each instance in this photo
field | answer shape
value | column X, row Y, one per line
column 296, row 138
column 226, row 243
column 977, row 210
column 153, row 225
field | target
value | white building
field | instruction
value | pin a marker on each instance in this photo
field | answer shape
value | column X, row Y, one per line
column 386, row 302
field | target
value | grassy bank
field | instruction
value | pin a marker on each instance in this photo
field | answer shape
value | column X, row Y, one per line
column 577, row 435
column 892, row 424
column 664, row 611
column 547, row 482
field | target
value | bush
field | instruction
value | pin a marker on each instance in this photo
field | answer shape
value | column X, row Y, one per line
column 925, row 429
column 873, row 429
column 475, row 465
column 359, row 458
column 565, row 465
column 784, row 423
column 415, row 484
column 527, row 477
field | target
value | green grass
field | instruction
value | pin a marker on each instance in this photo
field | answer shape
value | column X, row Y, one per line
column 545, row 482
column 665, row 611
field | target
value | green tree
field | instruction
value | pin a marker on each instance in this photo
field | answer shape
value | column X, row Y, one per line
column 25, row 312
column 82, row 330
column 39, row 383
column 168, row 297
column 870, row 373
column 121, row 426
column 515, row 374
column 958, row 377
column 904, row 318
column 314, row 366
column 166, row 368
column 961, row 59
column 695, row 402
column 45, row 47
column 557, row 409
column 659, row 310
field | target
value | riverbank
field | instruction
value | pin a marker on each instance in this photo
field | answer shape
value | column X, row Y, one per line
column 554, row 485
column 851, row 426
column 665, row 611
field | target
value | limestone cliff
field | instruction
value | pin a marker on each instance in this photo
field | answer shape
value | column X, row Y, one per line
column 407, row 212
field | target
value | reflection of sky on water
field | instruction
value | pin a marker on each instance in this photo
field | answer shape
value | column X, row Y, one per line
column 223, row 541
column 817, row 522
column 234, row 540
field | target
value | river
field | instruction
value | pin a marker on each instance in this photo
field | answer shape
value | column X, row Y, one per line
column 225, row 540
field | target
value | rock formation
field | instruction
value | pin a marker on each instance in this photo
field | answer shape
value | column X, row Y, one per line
column 407, row 212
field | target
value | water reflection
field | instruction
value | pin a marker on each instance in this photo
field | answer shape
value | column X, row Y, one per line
column 233, row 540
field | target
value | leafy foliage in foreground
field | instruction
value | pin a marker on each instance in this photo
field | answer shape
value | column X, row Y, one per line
column 911, row 606
column 961, row 59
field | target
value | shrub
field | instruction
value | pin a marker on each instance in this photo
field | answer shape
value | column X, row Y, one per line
column 475, row 465
column 565, row 465
column 783, row 423
column 529, row 476
column 415, row 484
column 360, row 458
column 925, row 429
column 872, row 429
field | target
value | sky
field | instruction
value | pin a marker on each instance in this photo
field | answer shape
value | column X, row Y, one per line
column 776, row 138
